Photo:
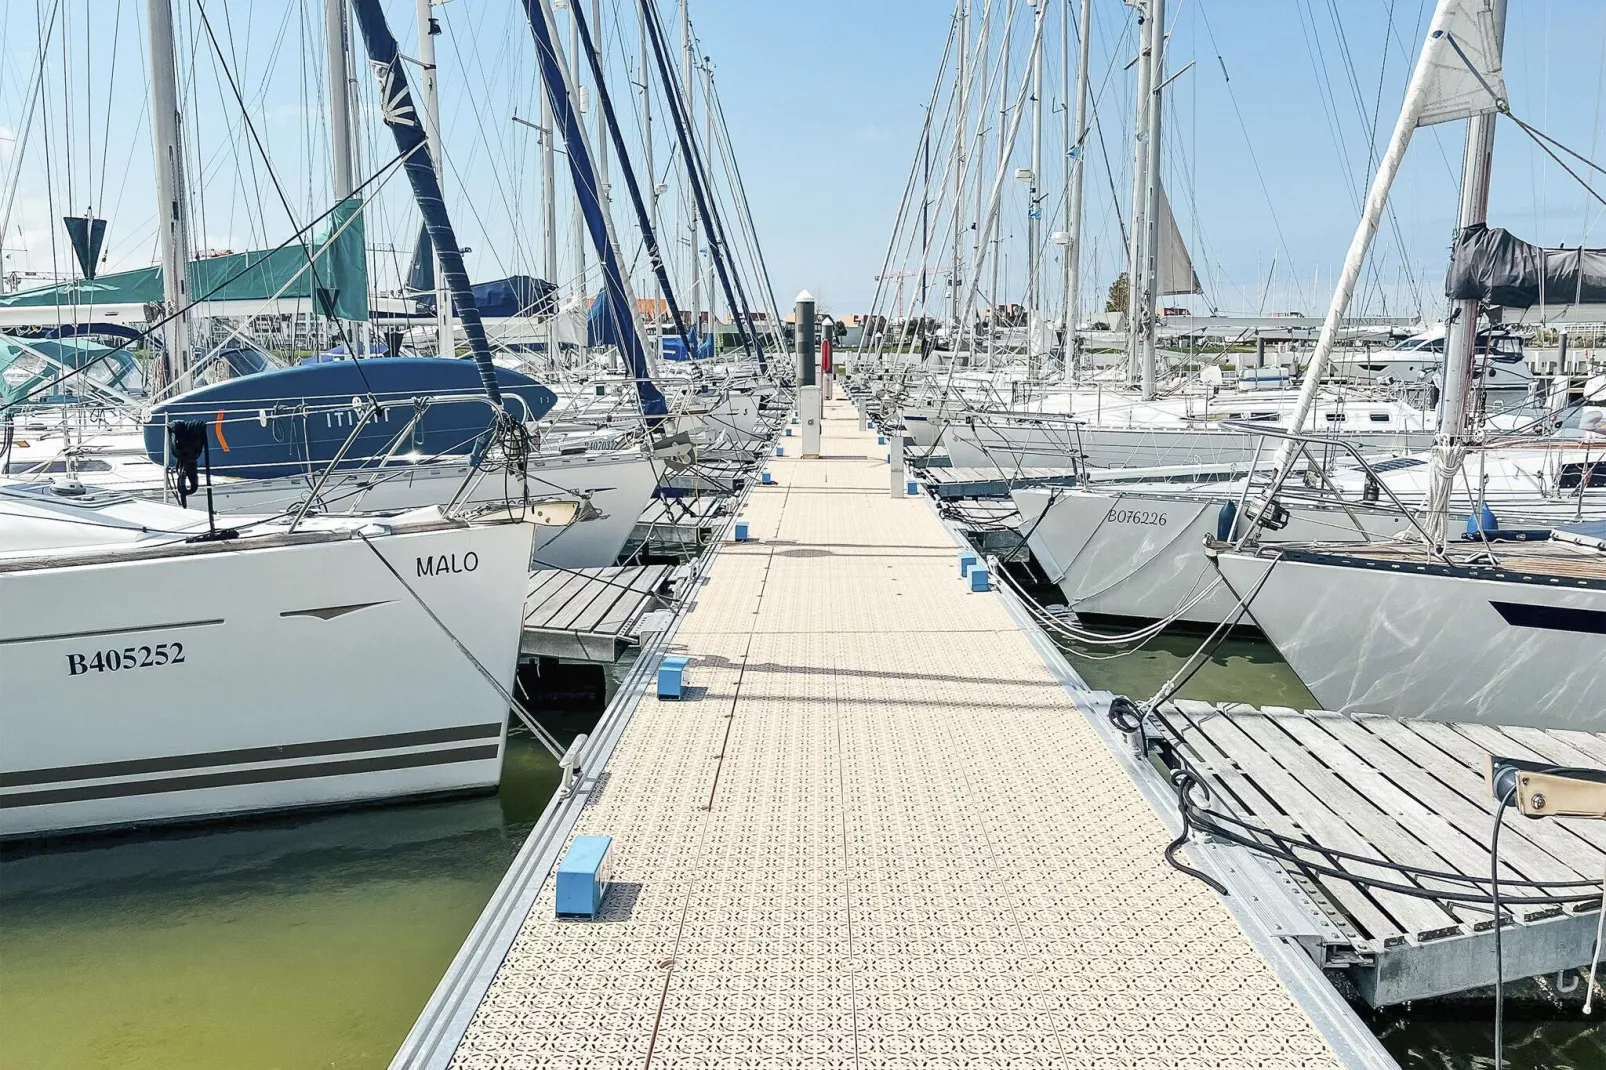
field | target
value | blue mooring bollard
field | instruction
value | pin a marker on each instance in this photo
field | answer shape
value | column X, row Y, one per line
column 979, row 578
column 780, row 451
column 672, row 676
column 767, row 479
column 881, row 440
column 914, row 488
column 741, row 531
column 967, row 559
column 583, row 877
column 788, row 432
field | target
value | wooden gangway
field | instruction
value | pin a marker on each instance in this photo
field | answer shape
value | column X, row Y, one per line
column 1404, row 910
column 591, row 614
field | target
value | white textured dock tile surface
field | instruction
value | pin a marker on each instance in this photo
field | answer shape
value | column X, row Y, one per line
column 879, row 834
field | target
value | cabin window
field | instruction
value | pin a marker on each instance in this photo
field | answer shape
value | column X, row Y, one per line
column 1336, row 417
column 1380, row 417
column 1263, row 416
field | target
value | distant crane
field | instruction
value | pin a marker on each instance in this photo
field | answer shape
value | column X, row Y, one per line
column 923, row 274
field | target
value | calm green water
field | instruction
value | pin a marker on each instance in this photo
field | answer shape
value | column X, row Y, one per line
column 313, row 942
column 280, row 944
column 1543, row 1031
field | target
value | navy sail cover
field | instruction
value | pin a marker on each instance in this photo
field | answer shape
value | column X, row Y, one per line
column 1494, row 266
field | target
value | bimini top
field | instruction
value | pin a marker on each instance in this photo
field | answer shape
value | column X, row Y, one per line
column 293, row 421
column 28, row 367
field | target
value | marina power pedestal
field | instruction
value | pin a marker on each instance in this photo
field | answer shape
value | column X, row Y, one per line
column 809, row 410
column 809, row 406
column 895, row 461
column 583, row 877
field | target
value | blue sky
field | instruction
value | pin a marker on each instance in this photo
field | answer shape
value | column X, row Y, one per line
column 857, row 75
column 824, row 103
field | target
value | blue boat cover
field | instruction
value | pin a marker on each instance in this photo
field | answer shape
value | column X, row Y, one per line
column 516, row 295
column 292, row 421
column 675, row 349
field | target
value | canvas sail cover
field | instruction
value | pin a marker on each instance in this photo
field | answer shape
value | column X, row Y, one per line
column 86, row 234
column 1465, row 77
column 570, row 326
column 339, row 266
column 1492, row 265
column 421, row 272
column 1175, row 265
column 516, row 295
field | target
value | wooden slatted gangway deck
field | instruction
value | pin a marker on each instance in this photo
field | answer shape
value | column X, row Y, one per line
column 677, row 525
column 1410, row 792
column 591, row 614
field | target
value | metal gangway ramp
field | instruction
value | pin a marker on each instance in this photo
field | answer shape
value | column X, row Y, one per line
column 877, row 832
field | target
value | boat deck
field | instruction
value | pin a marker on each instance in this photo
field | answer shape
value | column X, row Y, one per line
column 1413, row 793
column 993, row 482
column 878, row 831
column 1559, row 561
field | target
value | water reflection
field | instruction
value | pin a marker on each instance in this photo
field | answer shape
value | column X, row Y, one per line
column 290, row 942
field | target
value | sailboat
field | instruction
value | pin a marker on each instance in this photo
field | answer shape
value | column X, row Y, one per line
column 1507, row 631
column 342, row 436
column 155, row 666
column 150, row 672
column 994, row 409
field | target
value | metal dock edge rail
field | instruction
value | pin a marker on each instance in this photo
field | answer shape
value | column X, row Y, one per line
column 434, row 1036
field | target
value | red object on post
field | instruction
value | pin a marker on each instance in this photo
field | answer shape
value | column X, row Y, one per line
column 825, row 356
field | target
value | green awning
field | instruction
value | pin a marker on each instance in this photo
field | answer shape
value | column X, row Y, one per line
column 340, row 267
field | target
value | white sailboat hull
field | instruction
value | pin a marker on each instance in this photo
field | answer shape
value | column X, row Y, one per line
column 166, row 688
column 1142, row 556
column 1027, row 443
column 1140, row 553
column 1409, row 642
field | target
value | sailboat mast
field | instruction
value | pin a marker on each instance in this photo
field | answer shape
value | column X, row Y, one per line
column 606, row 189
column 618, row 293
column 708, row 139
column 1034, row 217
column 334, row 44
column 983, row 46
column 1073, row 184
column 992, row 228
column 1151, row 215
column 657, row 327
column 925, row 213
column 172, row 206
column 578, row 234
column 340, row 157
column 689, row 74
column 1140, row 190
column 1416, row 99
column 1461, row 339
column 549, row 226
column 429, row 102
column 956, row 271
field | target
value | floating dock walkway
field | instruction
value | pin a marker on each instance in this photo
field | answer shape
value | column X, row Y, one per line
column 883, row 828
